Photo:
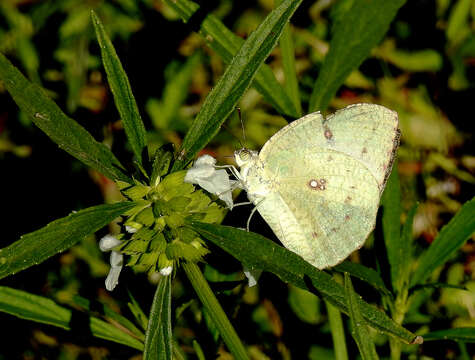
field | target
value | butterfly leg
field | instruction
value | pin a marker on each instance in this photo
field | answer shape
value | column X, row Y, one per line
column 233, row 170
column 252, row 213
column 243, row 203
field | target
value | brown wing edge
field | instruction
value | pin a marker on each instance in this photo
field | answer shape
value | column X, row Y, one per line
column 396, row 143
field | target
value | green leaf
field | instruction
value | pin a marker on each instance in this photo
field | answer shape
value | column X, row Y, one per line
column 438, row 286
column 458, row 334
column 137, row 311
column 64, row 131
column 450, row 239
column 161, row 163
column 57, row 236
column 359, row 330
column 305, row 305
column 291, row 268
column 406, row 250
column 215, row 311
column 158, row 338
column 199, row 352
column 226, row 44
column 288, row 64
column 120, row 86
column 458, row 20
column 43, row 310
column 111, row 314
column 391, row 221
column 224, row 97
column 355, row 32
column 363, row 273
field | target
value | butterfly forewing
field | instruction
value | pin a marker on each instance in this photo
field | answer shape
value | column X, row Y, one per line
column 366, row 132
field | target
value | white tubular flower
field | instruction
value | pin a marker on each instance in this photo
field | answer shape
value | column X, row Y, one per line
column 204, row 174
column 252, row 275
column 117, row 262
column 166, row 271
column 117, row 259
column 130, row 229
column 107, row 243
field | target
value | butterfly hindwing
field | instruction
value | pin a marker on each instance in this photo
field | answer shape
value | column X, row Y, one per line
column 332, row 204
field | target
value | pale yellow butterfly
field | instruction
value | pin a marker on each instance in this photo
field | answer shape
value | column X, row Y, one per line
column 318, row 182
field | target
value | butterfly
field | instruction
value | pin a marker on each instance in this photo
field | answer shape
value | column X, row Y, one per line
column 318, row 181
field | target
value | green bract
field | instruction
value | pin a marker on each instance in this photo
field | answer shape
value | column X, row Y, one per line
column 154, row 236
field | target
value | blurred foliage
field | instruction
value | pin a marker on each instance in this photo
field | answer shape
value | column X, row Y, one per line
column 424, row 69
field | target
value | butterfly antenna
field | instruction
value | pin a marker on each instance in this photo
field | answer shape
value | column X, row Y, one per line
column 242, row 127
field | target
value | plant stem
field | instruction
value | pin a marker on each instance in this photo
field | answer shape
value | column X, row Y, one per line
column 215, row 310
column 398, row 314
column 338, row 332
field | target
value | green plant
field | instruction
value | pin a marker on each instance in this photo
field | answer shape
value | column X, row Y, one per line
column 173, row 221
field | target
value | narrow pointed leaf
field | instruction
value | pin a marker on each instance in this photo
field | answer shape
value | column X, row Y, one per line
column 64, row 131
column 450, row 239
column 137, row 311
column 222, row 100
column 161, row 162
column 226, row 44
column 356, row 32
column 43, row 310
column 437, row 286
column 466, row 334
column 59, row 235
column 391, row 221
column 158, row 338
column 257, row 252
column 84, row 304
column 406, row 251
column 359, row 329
column 288, row 64
column 215, row 311
column 120, row 86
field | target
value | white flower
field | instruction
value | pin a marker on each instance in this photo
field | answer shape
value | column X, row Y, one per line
column 204, row 174
column 107, row 243
column 166, row 271
column 252, row 275
column 130, row 229
column 113, row 277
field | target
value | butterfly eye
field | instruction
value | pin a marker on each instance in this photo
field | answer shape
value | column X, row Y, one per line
column 245, row 155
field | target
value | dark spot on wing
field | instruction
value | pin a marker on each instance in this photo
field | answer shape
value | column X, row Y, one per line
column 328, row 134
column 315, row 184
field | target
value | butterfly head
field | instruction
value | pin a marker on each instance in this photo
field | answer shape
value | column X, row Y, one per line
column 245, row 156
